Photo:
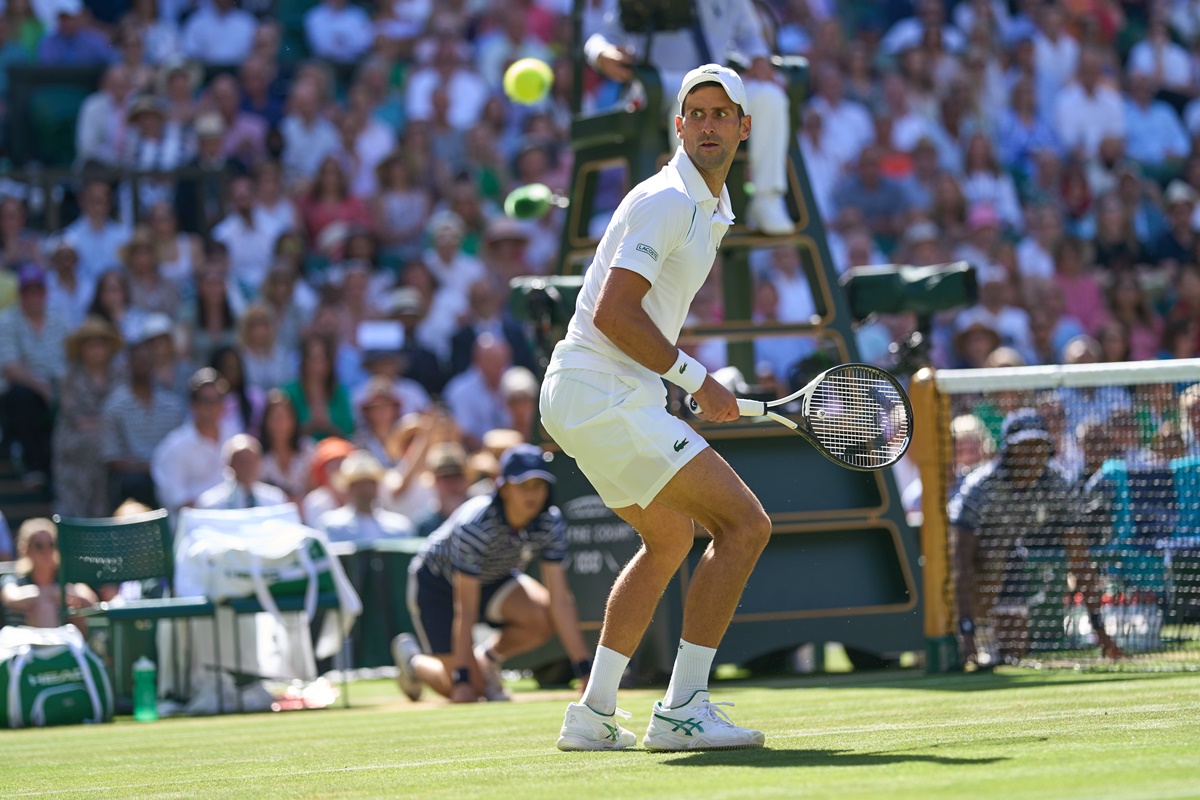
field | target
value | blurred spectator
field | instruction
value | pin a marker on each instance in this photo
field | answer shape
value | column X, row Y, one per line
column 379, row 409
column 135, row 418
column 25, row 28
column 244, row 403
column 158, row 32
column 131, row 53
column 149, row 292
column 408, row 305
column 509, row 41
column 1181, row 338
column 1021, row 132
column 519, row 388
column 329, row 211
column 1113, row 337
column 474, row 396
column 257, row 76
column 1155, row 137
column 218, row 33
column 267, row 364
column 308, row 137
column 1035, row 253
column 286, row 455
column 400, row 208
column 199, row 198
column 338, row 31
column 32, row 365
column 97, row 237
column 846, row 123
column 321, row 400
column 1160, row 59
column 208, row 321
column 1178, row 242
column 110, row 300
column 487, row 313
column 1087, row 110
column 153, row 143
column 81, row 483
column 74, row 42
column 881, row 202
column 178, row 252
column 187, row 462
column 446, row 70
column 271, row 200
column 1132, row 308
column 177, row 84
column 242, row 456
column 102, row 121
column 67, row 292
column 325, row 495
column 1055, row 53
column 18, row 243
column 245, row 134
column 170, row 371
column 447, row 463
column 974, row 341
column 1116, row 245
column 360, row 520
column 279, row 294
column 7, row 551
column 249, row 233
column 984, row 182
column 31, row 595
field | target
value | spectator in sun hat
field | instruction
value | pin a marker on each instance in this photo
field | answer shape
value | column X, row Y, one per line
column 67, row 292
column 361, row 520
column 379, row 410
column 80, row 479
column 471, row 570
column 32, row 365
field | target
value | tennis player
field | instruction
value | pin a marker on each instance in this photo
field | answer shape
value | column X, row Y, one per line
column 605, row 405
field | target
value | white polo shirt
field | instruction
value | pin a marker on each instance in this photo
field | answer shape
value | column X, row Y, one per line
column 667, row 230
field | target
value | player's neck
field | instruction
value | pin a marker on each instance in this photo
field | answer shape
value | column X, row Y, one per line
column 714, row 180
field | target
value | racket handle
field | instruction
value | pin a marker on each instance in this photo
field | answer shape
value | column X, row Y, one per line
column 747, row 408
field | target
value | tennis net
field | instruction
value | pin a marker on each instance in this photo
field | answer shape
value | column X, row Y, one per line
column 1062, row 505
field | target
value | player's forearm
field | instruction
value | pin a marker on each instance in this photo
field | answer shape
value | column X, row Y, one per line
column 464, row 623
column 964, row 570
column 636, row 335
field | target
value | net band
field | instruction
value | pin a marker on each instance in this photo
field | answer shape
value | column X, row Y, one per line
column 971, row 381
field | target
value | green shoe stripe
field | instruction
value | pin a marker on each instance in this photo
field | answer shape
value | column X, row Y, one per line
column 689, row 726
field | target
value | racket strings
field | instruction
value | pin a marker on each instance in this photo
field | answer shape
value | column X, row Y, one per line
column 860, row 417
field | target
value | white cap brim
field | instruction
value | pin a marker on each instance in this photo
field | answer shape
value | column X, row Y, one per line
column 715, row 73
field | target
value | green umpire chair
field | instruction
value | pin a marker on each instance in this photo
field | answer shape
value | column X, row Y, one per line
column 109, row 551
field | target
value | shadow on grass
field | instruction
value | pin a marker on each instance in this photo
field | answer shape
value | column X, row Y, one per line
column 789, row 757
column 982, row 681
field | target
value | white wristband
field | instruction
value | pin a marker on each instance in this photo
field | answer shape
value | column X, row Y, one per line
column 687, row 373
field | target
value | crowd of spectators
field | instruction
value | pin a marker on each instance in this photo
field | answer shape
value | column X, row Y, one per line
column 319, row 260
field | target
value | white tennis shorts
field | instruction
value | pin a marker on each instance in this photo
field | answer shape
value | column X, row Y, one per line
column 619, row 432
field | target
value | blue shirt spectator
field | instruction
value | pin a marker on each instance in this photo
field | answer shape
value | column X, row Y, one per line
column 74, row 44
column 1021, row 133
column 1153, row 133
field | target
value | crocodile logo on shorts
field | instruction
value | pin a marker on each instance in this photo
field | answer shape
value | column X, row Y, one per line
column 648, row 250
column 682, row 443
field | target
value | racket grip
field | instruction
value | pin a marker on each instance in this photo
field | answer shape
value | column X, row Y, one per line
column 747, row 408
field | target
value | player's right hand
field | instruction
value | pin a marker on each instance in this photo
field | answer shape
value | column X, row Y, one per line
column 717, row 404
column 613, row 62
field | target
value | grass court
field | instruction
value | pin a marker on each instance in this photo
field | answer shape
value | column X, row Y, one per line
column 1012, row 734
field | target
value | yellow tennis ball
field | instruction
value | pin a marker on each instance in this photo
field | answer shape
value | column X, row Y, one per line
column 528, row 80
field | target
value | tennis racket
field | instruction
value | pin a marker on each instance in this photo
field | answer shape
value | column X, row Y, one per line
column 856, row 415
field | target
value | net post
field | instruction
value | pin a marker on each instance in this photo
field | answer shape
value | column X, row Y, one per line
column 930, row 422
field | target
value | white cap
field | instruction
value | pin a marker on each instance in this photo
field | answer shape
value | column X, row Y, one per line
column 714, row 73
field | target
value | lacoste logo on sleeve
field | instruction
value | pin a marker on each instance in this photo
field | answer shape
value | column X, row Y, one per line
column 648, row 250
column 680, row 445
column 682, row 368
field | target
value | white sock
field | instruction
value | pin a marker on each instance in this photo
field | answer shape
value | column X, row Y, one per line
column 607, row 668
column 692, row 665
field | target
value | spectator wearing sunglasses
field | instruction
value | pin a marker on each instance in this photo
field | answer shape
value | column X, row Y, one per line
column 31, row 596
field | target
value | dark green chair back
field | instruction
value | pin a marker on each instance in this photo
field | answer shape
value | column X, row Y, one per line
column 109, row 550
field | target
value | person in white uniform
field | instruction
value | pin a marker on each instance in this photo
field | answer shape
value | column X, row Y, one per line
column 722, row 27
column 604, row 404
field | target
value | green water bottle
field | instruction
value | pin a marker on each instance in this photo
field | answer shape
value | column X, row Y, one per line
column 145, row 690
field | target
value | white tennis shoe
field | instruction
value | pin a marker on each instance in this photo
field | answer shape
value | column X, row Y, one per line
column 697, row 725
column 404, row 647
column 584, row 729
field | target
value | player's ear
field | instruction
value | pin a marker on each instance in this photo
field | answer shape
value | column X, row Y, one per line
column 679, row 127
column 745, row 128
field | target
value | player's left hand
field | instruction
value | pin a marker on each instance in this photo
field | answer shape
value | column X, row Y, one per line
column 464, row 693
